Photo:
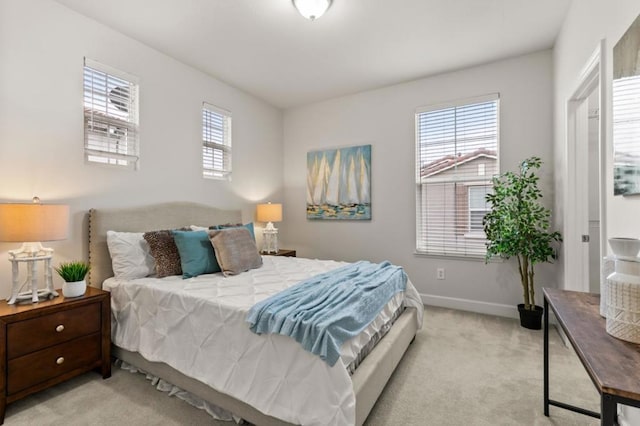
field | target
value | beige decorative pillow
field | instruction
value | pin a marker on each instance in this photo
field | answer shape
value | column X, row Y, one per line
column 235, row 250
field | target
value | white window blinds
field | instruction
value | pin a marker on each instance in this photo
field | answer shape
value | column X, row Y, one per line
column 456, row 157
column 216, row 142
column 626, row 133
column 110, row 116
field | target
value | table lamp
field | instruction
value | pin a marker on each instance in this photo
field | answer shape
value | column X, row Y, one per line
column 31, row 223
column 269, row 213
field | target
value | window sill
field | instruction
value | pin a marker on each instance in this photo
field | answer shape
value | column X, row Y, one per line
column 475, row 236
column 471, row 258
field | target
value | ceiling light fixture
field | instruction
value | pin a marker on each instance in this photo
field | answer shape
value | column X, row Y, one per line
column 312, row 9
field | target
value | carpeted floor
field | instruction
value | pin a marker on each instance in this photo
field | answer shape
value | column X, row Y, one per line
column 462, row 369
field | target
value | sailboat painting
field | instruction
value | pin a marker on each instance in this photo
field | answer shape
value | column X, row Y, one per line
column 339, row 183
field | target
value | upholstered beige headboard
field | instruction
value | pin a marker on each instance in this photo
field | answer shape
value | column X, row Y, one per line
column 143, row 219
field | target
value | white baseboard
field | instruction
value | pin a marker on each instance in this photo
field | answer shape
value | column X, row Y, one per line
column 486, row 308
column 497, row 309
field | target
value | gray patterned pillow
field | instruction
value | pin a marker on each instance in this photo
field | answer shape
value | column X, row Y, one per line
column 235, row 249
column 165, row 252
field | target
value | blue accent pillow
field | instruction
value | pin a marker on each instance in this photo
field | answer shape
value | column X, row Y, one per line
column 249, row 226
column 196, row 253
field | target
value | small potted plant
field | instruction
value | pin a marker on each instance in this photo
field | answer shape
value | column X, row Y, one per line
column 73, row 273
column 518, row 226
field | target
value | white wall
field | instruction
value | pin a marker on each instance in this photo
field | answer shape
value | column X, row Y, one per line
column 588, row 22
column 42, row 45
column 384, row 118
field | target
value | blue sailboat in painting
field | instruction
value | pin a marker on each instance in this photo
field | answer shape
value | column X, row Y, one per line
column 339, row 183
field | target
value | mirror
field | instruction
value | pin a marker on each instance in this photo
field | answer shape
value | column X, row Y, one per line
column 626, row 112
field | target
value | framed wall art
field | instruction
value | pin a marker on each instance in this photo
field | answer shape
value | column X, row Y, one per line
column 339, row 183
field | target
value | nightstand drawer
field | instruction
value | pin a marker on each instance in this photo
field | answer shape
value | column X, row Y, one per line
column 281, row 252
column 37, row 367
column 31, row 335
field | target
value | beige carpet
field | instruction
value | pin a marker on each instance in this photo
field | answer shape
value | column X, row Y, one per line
column 462, row 369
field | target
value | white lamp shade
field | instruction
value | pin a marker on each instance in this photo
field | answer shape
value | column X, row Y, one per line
column 269, row 212
column 312, row 9
column 33, row 222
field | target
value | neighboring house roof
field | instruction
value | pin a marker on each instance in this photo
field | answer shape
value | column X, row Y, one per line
column 450, row 161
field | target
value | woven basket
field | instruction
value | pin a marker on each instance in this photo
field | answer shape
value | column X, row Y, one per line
column 623, row 306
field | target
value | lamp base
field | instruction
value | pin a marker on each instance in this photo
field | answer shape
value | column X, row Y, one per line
column 270, row 237
column 41, row 294
column 16, row 257
column 31, row 250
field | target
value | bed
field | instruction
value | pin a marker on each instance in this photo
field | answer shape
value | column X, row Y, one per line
column 367, row 381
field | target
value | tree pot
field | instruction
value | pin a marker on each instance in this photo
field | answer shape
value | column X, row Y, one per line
column 531, row 318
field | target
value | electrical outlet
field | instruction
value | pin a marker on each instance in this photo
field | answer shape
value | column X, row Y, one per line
column 440, row 273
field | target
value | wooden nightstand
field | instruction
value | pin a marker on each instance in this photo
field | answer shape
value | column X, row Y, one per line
column 281, row 252
column 45, row 343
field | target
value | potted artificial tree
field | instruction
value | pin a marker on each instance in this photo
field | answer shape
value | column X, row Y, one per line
column 518, row 226
column 73, row 273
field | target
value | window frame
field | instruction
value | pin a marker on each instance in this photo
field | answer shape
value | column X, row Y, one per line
column 449, row 248
column 98, row 123
column 226, row 145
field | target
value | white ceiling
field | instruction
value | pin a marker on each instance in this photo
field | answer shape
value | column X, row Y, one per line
column 267, row 49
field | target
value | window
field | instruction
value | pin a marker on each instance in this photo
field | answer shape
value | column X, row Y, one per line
column 626, row 132
column 478, row 207
column 216, row 143
column 456, row 157
column 110, row 116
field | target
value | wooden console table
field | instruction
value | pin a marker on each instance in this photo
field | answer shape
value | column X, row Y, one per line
column 611, row 363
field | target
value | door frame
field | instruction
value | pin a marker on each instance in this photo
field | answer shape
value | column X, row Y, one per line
column 576, row 223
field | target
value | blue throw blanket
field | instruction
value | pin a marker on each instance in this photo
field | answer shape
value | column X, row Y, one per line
column 324, row 311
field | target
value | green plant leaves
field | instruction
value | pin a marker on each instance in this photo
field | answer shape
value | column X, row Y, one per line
column 518, row 224
column 73, row 271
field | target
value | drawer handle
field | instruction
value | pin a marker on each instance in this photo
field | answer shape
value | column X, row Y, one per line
column 60, row 328
column 60, row 360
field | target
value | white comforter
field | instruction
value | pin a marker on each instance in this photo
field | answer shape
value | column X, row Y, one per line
column 198, row 327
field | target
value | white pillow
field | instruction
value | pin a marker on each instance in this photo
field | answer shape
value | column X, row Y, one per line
column 130, row 255
column 198, row 228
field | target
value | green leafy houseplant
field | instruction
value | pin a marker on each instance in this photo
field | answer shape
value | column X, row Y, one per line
column 73, row 271
column 518, row 224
